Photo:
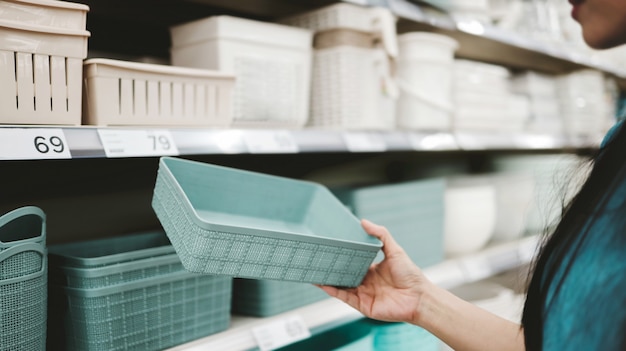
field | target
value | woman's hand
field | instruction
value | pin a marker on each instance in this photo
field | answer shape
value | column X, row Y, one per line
column 391, row 289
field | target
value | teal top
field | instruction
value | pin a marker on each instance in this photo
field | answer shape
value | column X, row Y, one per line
column 589, row 312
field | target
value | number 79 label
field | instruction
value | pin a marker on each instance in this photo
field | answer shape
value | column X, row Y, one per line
column 33, row 143
column 133, row 143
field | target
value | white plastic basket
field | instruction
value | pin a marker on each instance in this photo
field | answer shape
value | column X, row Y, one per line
column 348, row 90
column 48, row 13
column 131, row 93
column 272, row 64
column 40, row 74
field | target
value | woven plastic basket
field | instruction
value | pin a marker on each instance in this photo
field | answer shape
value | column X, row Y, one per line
column 251, row 225
column 131, row 93
column 23, row 280
column 148, row 314
column 264, row 298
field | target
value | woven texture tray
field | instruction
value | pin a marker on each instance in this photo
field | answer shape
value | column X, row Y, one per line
column 250, row 225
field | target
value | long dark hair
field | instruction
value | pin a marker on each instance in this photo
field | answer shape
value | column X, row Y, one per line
column 562, row 247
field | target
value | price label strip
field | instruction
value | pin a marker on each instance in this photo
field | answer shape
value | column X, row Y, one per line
column 33, row 144
column 280, row 333
column 270, row 142
column 136, row 143
column 364, row 142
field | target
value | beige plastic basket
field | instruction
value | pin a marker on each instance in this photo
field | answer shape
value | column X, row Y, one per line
column 40, row 73
column 49, row 13
column 132, row 93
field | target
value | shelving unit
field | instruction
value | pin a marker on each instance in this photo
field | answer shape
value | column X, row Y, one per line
column 329, row 313
column 117, row 26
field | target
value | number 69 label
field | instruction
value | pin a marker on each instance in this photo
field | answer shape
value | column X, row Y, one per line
column 33, row 143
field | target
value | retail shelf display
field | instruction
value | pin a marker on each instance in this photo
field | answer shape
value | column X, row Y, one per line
column 330, row 313
column 42, row 142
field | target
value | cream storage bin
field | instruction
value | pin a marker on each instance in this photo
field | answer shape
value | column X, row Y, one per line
column 352, row 84
column 271, row 62
column 40, row 73
column 425, row 77
column 48, row 13
column 131, row 93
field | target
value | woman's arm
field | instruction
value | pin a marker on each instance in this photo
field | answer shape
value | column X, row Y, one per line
column 396, row 290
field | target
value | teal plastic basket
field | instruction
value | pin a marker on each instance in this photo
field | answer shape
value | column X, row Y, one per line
column 402, row 337
column 250, row 225
column 264, row 298
column 131, row 293
column 149, row 314
column 23, row 280
column 109, row 251
column 412, row 211
column 355, row 336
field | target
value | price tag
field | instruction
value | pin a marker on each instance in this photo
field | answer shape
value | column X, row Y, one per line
column 280, row 333
column 133, row 143
column 270, row 142
column 364, row 142
column 33, row 143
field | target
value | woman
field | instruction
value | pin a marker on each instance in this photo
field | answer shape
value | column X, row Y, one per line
column 577, row 296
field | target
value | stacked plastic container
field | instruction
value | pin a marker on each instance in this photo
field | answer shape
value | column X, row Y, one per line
column 23, row 280
column 264, row 298
column 412, row 211
column 583, row 103
column 271, row 62
column 42, row 47
column 484, row 101
column 541, row 90
column 352, row 84
column 132, row 93
column 402, row 337
column 425, row 76
column 131, row 293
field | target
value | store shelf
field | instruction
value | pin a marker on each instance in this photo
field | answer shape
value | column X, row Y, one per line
column 331, row 313
column 485, row 42
column 20, row 142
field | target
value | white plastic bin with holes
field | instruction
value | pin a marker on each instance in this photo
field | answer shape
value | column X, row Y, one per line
column 131, row 93
column 271, row 62
column 40, row 73
column 47, row 13
column 425, row 77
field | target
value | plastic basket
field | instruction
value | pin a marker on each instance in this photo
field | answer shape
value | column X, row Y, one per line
column 335, row 16
column 110, row 251
column 23, row 280
column 54, row 14
column 264, row 298
column 131, row 93
column 148, row 314
column 413, row 212
column 250, row 225
column 402, row 337
column 272, row 64
column 347, row 92
column 355, row 336
column 40, row 74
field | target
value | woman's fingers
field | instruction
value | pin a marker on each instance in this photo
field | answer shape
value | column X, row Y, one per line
column 390, row 246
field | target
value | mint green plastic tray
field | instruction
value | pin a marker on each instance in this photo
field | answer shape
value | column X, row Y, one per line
column 245, row 224
column 264, row 298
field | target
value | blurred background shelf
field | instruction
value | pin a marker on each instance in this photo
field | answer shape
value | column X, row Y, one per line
column 85, row 142
column 331, row 313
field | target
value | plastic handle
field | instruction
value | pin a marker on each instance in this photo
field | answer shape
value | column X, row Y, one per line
column 21, row 212
column 385, row 23
column 12, row 251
